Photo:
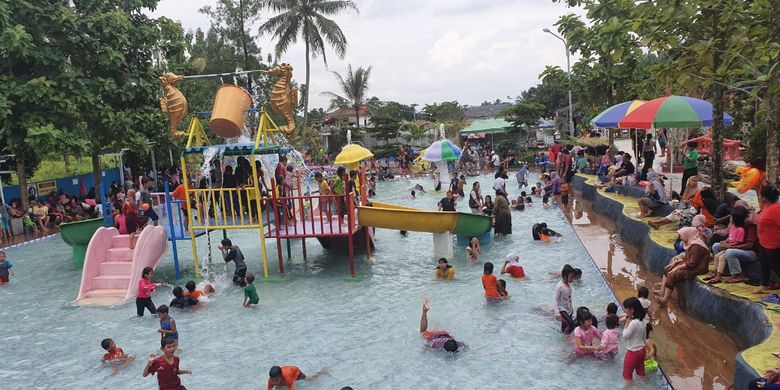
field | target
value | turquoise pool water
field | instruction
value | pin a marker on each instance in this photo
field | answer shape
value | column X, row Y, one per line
column 365, row 332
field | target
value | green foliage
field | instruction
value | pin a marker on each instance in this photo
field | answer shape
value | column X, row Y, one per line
column 508, row 148
column 307, row 19
column 451, row 112
column 413, row 131
column 308, row 140
column 385, row 127
column 523, row 115
column 352, row 88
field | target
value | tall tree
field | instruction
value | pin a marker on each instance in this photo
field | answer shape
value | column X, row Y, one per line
column 34, row 79
column 111, row 44
column 307, row 19
column 234, row 21
column 523, row 115
column 352, row 88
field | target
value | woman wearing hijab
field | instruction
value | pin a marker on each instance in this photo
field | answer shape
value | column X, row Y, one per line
column 656, row 196
column 686, row 265
column 502, row 215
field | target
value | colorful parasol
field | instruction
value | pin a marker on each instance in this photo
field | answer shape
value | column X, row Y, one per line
column 610, row 117
column 352, row 154
column 672, row 112
column 443, row 150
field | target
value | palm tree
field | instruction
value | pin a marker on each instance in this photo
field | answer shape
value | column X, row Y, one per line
column 307, row 19
column 353, row 89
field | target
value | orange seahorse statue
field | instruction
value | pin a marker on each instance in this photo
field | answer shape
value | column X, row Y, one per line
column 283, row 98
column 174, row 104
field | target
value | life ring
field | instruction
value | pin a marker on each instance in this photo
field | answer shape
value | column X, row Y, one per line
column 749, row 179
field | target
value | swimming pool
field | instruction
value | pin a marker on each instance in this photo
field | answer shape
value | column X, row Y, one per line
column 364, row 332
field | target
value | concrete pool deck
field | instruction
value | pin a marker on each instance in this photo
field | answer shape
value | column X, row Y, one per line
column 731, row 307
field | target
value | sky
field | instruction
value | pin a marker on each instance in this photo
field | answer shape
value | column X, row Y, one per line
column 426, row 51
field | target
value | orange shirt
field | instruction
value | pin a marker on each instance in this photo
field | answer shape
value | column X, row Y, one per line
column 489, row 283
column 180, row 194
column 289, row 375
column 194, row 295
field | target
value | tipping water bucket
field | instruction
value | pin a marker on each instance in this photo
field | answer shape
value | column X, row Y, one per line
column 228, row 113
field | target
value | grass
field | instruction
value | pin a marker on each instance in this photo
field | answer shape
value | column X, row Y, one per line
column 56, row 169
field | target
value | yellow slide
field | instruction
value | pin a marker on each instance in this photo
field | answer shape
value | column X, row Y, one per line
column 394, row 217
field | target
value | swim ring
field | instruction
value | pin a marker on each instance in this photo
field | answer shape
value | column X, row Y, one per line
column 749, row 178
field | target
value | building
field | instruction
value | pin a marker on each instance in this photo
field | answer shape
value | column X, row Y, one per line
column 346, row 116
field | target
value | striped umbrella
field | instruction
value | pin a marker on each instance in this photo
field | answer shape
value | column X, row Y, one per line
column 442, row 151
column 672, row 112
column 610, row 117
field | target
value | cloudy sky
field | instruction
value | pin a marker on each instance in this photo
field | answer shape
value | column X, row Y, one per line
column 425, row 51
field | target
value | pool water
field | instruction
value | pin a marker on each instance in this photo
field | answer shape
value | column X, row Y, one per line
column 364, row 332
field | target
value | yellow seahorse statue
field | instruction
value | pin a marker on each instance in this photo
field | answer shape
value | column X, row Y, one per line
column 283, row 98
column 174, row 104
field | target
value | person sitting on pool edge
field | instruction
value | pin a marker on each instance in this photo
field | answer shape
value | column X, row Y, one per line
column 444, row 270
column 287, row 376
column 440, row 339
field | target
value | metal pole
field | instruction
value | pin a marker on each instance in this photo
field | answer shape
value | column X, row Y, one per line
column 122, row 171
column 154, row 163
column 568, row 76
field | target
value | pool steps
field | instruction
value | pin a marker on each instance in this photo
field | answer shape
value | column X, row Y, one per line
column 111, row 267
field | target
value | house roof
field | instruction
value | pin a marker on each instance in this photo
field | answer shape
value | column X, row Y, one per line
column 345, row 112
column 486, row 111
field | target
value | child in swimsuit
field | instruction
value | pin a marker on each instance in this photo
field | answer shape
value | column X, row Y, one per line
column 473, row 251
column 115, row 356
column 5, row 269
column 167, row 324
column 502, row 288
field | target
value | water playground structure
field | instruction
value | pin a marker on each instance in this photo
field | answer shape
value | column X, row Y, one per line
column 338, row 222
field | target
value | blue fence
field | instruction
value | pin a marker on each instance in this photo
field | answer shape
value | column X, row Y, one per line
column 70, row 184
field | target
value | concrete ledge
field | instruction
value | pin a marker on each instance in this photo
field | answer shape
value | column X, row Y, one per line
column 745, row 321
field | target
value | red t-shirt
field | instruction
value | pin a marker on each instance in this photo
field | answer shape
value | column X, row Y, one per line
column 516, row 271
column 279, row 173
column 118, row 352
column 769, row 226
column 180, row 193
column 290, row 374
column 489, row 282
column 167, row 374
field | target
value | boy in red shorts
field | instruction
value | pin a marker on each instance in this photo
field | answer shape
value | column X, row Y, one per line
column 166, row 366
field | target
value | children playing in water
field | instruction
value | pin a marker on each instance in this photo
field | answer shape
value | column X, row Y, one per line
column 502, row 289
column 6, row 269
column 180, row 301
column 233, row 253
column 512, row 267
column 250, row 292
column 146, row 287
column 585, row 336
column 473, row 250
column 634, row 333
column 610, row 338
column 562, row 299
column 191, row 290
column 444, row 270
column 643, row 294
column 167, row 324
column 115, row 356
column 287, row 376
column 166, row 367
column 489, row 282
column 439, row 340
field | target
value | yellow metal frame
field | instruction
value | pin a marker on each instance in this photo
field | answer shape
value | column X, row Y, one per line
column 197, row 137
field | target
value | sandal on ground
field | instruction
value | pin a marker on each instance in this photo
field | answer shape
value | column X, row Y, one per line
column 715, row 280
column 710, row 277
column 771, row 298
